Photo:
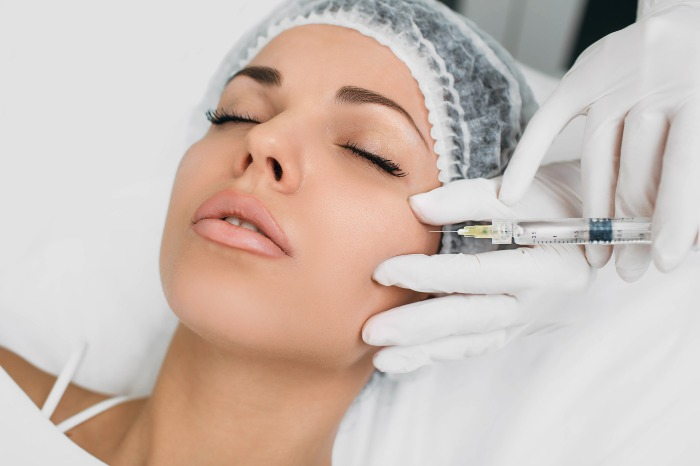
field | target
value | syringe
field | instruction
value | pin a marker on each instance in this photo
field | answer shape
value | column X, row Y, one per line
column 564, row 230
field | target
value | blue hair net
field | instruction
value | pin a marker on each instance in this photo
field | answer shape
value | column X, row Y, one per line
column 477, row 100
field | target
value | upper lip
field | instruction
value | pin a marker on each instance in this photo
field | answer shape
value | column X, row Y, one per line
column 231, row 203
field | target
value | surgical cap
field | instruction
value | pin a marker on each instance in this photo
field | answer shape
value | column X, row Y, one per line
column 477, row 100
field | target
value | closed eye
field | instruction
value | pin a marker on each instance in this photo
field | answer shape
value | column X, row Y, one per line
column 387, row 165
column 220, row 116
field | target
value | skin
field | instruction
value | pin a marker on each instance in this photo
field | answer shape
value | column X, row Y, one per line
column 268, row 354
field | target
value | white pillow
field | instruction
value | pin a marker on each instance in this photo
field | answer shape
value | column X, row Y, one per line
column 96, row 99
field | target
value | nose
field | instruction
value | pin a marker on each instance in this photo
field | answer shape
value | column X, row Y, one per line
column 272, row 154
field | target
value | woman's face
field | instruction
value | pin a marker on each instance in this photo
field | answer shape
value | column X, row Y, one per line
column 307, row 141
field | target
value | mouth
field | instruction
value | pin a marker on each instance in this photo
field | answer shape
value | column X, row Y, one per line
column 240, row 221
column 243, row 224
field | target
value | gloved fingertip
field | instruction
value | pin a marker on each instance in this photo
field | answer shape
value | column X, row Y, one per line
column 666, row 249
column 397, row 363
column 666, row 261
column 631, row 275
column 374, row 337
column 420, row 204
column 509, row 194
column 367, row 335
column 598, row 255
column 381, row 275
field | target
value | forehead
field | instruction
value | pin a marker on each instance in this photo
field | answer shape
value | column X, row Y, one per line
column 326, row 56
column 327, row 44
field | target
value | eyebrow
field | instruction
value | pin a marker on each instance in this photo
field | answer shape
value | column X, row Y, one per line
column 358, row 95
column 268, row 76
column 265, row 75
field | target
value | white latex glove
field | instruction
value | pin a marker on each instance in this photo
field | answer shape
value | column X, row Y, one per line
column 493, row 296
column 640, row 90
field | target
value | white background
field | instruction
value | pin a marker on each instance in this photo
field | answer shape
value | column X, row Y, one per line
column 539, row 33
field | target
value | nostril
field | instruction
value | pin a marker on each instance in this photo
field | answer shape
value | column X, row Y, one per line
column 277, row 169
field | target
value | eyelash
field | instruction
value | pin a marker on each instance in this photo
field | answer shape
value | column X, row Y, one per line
column 219, row 117
column 387, row 165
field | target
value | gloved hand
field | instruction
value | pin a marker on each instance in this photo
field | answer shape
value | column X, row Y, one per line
column 640, row 90
column 493, row 296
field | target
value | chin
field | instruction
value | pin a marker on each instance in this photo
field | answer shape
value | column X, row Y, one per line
column 242, row 309
column 253, row 326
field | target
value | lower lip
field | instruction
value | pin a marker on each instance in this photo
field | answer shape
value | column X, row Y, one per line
column 233, row 236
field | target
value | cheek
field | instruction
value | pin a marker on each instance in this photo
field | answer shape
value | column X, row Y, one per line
column 198, row 173
column 358, row 224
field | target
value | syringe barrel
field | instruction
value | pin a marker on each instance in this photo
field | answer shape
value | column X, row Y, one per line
column 578, row 231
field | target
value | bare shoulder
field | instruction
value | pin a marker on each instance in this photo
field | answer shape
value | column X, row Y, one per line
column 37, row 384
column 100, row 435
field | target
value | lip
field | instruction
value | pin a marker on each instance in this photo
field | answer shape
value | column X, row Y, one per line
column 231, row 203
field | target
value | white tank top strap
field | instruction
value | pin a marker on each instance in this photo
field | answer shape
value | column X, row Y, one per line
column 59, row 388
column 92, row 411
column 63, row 380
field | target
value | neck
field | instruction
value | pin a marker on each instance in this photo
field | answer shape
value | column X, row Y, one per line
column 214, row 407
